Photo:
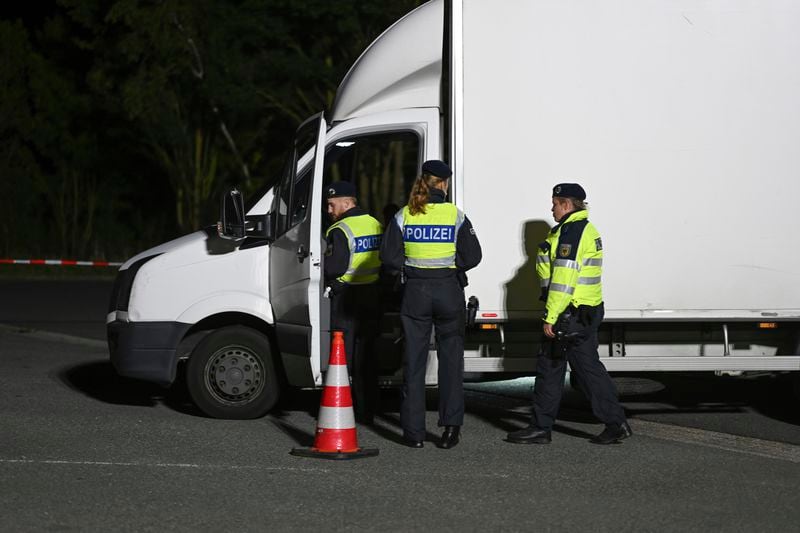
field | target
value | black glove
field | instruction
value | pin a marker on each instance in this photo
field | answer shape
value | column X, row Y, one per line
column 336, row 287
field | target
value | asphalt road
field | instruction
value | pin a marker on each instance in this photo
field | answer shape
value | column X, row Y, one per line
column 74, row 307
column 81, row 449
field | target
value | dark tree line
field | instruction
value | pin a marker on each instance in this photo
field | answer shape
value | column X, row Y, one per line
column 122, row 121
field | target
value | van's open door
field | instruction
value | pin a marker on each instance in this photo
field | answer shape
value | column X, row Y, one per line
column 295, row 256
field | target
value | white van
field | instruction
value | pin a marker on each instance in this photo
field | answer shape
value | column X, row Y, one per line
column 680, row 119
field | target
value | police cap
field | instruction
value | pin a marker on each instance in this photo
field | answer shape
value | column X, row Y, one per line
column 569, row 190
column 341, row 189
column 437, row 168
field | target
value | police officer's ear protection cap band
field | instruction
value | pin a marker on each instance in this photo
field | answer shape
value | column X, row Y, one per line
column 437, row 168
column 569, row 190
column 340, row 189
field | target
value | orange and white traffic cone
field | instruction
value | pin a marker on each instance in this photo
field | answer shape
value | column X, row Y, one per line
column 336, row 426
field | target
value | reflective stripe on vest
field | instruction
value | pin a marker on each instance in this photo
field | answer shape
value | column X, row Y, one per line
column 566, row 263
column 430, row 238
column 364, row 235
column 560, row 287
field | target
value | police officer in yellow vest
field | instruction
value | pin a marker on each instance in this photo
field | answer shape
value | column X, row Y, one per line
column 569, row 264
column 351, row 272
column 433, row 243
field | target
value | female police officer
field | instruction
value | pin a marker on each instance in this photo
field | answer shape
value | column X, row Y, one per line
column 570, row 264
column 432, row 243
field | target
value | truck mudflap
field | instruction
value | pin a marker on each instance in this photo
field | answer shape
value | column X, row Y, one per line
column 145, row 350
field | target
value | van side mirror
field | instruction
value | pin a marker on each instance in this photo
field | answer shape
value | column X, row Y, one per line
column 261, row 227
column 231, row 223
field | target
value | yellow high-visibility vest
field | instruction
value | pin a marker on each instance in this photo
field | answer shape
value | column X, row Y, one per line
column 364, row 235
column 570, row 264
column 430, row 238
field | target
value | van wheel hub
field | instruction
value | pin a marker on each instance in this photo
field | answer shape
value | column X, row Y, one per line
column 234, row 375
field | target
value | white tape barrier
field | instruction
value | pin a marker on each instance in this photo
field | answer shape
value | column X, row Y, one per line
column 59, row 262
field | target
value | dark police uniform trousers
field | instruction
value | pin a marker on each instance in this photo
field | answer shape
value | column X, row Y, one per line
column 584, row 361
column 437, row 302
column 355, row 310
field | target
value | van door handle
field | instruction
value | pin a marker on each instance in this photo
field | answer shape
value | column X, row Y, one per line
column 302, row 253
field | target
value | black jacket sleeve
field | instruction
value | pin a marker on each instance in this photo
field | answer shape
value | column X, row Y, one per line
column 468, row 249
column 393, row 252
column 337, row 255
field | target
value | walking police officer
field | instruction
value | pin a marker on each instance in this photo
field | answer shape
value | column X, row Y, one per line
column 352, row 266
column 433, row 244
column 569, row 265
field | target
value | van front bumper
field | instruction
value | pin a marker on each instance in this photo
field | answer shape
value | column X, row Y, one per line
column 145, row 350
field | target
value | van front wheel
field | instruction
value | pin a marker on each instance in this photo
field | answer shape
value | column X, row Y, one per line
column 231, row 374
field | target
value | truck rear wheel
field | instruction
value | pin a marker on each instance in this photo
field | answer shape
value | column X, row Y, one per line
column 231, row 374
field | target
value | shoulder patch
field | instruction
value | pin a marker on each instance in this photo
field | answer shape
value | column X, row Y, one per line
column 598, row 244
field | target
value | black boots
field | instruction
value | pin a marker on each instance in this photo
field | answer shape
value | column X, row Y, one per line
column 613, row 434
column 530, row 435
column 411, row 443
column 450, row 437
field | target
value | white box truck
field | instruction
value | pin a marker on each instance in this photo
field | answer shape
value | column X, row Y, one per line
column 681, row 119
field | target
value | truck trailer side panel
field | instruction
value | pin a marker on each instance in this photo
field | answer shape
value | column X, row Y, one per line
column 681, row 119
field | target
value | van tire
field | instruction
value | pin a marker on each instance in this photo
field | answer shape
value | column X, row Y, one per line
column 231, row 374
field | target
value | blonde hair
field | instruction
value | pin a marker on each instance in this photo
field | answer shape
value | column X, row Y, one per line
column 576, row 204
column 418, row 198
column 579, row 204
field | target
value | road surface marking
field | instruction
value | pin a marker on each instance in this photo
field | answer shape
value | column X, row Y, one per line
column 720, row 441
column 686, row 435
column 468, row 475
column 160, row 465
